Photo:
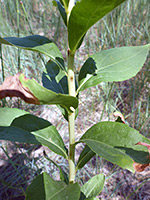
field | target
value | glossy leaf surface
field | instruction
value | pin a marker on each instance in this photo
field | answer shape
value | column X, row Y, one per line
column 117, row 64
column 94, row 186
column 20, row 126
column 36, row 43
column 115, row 142
column 85, row 14
column 44, row 187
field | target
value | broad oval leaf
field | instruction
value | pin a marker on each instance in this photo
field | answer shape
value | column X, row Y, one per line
column 85, row 14
column 20, row 126
column 85, row 156
column 44, row 187
column 94, row 186
column 115, row 142
column 36, row 43
column 117, row 64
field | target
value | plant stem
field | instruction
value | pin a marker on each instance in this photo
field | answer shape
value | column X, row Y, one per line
column 71, row 119
column 71, row 116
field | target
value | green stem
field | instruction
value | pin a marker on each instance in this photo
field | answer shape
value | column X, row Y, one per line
column 71, row 119
column 71, row 116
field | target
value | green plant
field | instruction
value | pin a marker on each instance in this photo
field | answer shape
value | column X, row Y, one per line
column 114, row 141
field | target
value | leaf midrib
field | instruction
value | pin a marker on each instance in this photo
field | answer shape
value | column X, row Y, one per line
column 42, row 138
column 89, row 192
column 94, row 140
column 58, row 192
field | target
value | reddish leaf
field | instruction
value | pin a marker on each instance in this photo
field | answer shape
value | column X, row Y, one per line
column 141, row 167
column 12, row 87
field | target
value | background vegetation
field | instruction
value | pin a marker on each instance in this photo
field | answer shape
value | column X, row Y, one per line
column 129, row 25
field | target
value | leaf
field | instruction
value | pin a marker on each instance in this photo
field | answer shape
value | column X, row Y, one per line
column 141, row 167
column 54, row 78
column 84, row 15
column 94, row 186
column 62, row 11
column 115, row 142
column 32, row 92
column 85, row 156
column 36, row 43
column 12, row 87
column 20, row 126
column 117, row 64
column 44, row 187
column 46, row 96
column 64, row 2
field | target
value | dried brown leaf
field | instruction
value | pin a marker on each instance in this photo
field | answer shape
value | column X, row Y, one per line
column 12, row 87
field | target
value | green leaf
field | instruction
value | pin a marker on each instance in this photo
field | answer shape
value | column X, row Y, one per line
column 46, row 96
column 54, row 78
column 115, row 142
column 62, row 11
column 44, row 187
column 20, row 126
column 117, row 64
column 84, row 15
column 36, row 43
column 85, row 156
column 94, row 186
